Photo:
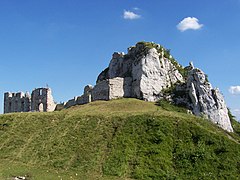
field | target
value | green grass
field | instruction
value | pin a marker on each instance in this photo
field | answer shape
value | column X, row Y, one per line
column 119, row 139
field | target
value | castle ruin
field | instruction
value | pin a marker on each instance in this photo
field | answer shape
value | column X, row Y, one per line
column 16, row 102
column 41, row 100
column 146, row 72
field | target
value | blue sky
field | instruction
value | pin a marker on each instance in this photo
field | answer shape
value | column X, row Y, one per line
column 67, row 43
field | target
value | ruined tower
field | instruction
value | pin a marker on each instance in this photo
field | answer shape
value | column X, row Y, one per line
column 16, row 102
column 42, row 100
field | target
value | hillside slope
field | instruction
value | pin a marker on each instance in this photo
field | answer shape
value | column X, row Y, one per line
column 119, row 139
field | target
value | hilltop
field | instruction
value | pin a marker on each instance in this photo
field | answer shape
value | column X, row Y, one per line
column 148, row 72
column 147, row 117
column 117, row 139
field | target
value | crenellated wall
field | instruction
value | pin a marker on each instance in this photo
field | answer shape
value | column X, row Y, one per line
column 16, row 102
column 41, row 99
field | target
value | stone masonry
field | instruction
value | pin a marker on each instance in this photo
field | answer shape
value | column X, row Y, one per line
column 105, row 90
column 40, row 100
column 17, row 102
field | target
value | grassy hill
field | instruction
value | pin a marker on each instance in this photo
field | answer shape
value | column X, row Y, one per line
column 119, row 139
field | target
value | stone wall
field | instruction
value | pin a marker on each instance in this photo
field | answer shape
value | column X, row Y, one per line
column 16, row 102
column 116, row 88
column 101, row 91
column 105, row 90
column 41, row 99
column 111, row 89
column 87, row 96
column 79, row 100
column 127, row 87
column 71, row 102
column 60, row 106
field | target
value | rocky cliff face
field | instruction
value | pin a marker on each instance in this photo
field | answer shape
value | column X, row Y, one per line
column 206, row 101
column 149, row 70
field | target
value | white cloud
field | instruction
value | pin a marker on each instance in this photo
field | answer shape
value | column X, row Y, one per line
column 234, row 90
column 130, row 15
column 189, row 23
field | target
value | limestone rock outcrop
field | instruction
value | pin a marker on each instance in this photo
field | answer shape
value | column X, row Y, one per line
column 149, row 70
column 206, row 101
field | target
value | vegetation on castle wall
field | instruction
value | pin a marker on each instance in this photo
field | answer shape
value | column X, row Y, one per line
column 119, row 139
